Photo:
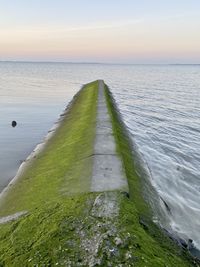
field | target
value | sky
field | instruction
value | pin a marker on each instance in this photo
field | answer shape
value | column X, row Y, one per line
column 108, row 31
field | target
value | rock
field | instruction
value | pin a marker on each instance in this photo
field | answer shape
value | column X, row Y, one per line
column 190, row 243
column 110, row 233
column 118, row 241
column 144, row 224
column 179, row 241
column 128, row 255
column 182, row 243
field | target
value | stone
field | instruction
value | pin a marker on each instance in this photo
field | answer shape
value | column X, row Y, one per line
column 144, row 224
column 118, row 241
column 128, row 255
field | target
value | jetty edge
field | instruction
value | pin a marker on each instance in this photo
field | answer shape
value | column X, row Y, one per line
column 59, row 213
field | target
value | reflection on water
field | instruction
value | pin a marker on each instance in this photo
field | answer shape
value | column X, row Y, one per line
column 160, row 106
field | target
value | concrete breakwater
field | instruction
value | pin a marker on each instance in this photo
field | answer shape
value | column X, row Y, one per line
column 79, row 201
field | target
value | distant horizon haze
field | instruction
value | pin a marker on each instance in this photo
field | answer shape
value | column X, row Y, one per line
column 91, row 62
column 111, row 31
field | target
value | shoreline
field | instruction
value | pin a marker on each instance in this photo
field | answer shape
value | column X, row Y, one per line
column 38, row 148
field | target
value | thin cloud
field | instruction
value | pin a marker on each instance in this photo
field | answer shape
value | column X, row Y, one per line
column 108, row 25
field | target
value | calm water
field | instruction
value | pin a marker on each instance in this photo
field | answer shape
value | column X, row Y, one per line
column 160, row 106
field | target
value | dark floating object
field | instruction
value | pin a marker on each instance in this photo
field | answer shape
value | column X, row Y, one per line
column 14, row 123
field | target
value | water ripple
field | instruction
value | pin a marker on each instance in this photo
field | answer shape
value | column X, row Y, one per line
column 163, row 119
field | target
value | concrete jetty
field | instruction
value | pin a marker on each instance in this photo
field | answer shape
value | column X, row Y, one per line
column 108, row 173
column 78, row 199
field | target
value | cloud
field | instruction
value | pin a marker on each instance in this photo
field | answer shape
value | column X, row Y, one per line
column 60, row 29
column 108, row 25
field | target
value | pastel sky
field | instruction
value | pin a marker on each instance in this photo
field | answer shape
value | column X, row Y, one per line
column 124, row 31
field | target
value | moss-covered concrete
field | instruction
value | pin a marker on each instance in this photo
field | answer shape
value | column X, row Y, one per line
column 65, row 224
column 64, row 166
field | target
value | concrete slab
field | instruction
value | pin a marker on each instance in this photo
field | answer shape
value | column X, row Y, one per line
column 104, row 144
column 103, row 130
column 105, row 123
column 108, row 173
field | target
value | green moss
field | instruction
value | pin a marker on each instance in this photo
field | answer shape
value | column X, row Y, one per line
column 62, row 227
column 64, row 166
column 46, row 236
column 48, row 191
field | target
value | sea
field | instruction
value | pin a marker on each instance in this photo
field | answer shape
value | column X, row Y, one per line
column 160, row 105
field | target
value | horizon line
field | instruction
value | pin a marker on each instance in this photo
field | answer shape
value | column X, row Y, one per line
column 91, row 62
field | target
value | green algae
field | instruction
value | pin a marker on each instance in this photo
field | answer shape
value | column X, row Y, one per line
column 64, row 166
column 61, row 170
column 63, row 227
column 64, row 233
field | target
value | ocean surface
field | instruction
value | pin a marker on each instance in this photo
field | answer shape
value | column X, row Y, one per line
column 160, row 105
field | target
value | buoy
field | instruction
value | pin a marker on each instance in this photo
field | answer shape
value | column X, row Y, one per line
column 14, row 123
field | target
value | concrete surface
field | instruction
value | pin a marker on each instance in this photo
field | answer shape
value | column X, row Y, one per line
column 108, row 173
